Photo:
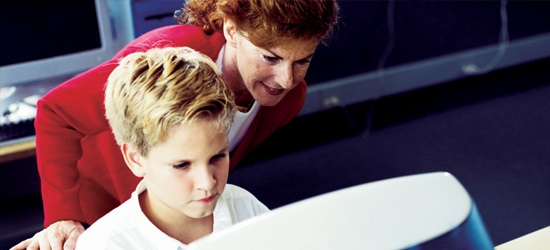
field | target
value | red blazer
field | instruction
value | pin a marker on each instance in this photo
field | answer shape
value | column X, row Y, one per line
column 83, row 175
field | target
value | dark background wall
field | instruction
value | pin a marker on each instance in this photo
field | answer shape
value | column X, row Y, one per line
column 423, row 30
column 490, row 130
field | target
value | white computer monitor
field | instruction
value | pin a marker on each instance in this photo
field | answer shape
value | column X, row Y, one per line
column 424, row 211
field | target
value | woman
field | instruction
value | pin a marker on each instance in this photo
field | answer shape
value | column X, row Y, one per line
column 263, row 49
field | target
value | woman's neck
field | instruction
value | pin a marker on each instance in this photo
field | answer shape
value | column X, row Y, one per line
column 233, row 78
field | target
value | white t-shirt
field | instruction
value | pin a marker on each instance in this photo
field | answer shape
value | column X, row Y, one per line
column 127, row 227
column 242, row 120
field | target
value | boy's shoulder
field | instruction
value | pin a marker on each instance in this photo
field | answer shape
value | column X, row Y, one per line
column 233, row 191
column 110, row 225
column 242, row 204
column 123, row 226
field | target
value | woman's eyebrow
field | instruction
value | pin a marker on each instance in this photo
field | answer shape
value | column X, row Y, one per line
column 279, row 57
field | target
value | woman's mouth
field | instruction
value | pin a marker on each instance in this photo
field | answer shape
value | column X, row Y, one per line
column 273, row 91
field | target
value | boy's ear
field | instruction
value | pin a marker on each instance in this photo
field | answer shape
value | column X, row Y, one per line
column 133, row 160
column 229, row 32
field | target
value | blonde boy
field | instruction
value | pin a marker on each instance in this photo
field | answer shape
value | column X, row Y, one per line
column 170, row 112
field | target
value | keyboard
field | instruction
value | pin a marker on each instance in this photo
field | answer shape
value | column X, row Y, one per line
column 17, row 121
column 18, row 130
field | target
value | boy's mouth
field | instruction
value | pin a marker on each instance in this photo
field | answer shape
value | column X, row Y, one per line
column 207, row 199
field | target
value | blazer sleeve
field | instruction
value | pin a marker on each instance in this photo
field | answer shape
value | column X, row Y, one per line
column 64, row 117
column 82, row 172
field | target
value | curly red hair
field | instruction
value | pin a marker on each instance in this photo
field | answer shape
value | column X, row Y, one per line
column 265, row 23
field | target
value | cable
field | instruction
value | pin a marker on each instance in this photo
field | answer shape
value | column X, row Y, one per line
column 382, row 63
column 391, row 40
column 471, row 68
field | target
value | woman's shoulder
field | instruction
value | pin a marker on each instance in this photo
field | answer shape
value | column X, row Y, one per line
column 176, row 36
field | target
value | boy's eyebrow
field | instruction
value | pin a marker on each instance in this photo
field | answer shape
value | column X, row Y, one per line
column 223, row 150
column 179, row 160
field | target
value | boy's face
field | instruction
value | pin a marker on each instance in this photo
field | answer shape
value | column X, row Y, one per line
column 186, row 174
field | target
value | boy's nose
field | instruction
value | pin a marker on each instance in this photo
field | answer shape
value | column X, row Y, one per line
column 204, row 179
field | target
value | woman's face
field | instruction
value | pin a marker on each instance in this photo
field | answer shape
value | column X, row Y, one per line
column 270, row 73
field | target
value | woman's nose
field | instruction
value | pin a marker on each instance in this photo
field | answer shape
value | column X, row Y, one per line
column 285, row 76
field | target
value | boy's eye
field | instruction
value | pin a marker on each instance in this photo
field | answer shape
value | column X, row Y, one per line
column 181, row 165
column 219, row 156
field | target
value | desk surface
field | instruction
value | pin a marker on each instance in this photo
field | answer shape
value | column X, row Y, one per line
column 539, row 239
column 23, row 148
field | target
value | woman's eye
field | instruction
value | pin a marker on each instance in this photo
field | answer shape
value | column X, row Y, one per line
column 181, row 165
column 270, row 59
column 303, row 62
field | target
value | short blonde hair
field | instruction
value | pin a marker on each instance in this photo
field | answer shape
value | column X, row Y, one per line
column 150, row 92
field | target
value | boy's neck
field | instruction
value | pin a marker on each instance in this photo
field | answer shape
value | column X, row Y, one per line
column 188, row 233
column 185, row 229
